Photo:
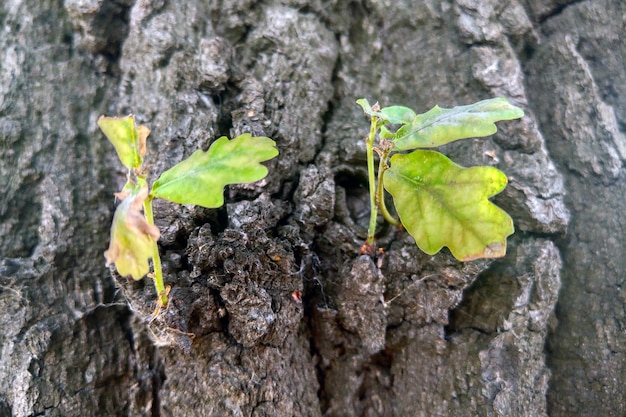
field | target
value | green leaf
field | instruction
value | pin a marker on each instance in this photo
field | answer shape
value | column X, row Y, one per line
column 201, row 178
column 443, row 204
column 398, row 114
column 391, row 114
column 129, row 140
column 385, row 133
column 439, row 126
column 132, row 237
column 367, row 108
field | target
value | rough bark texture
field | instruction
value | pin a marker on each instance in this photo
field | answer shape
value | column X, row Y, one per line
column 540, row 332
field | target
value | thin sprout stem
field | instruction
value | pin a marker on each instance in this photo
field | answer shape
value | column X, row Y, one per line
column 380, row 193
column 156, row 258
column 371, row 231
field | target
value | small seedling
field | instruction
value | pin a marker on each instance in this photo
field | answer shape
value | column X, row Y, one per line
column 199, row 179
column 438, row 202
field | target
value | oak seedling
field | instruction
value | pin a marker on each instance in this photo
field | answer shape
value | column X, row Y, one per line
column 438, row 202
column 199, row 179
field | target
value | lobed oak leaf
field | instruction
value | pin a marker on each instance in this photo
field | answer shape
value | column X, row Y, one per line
column 128, row 139
column 439, row 126
column 201, row 178
column 132, row 237
column 443, row 204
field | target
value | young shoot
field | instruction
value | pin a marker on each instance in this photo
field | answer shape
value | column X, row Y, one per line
column 199, row 179
column 438, row 202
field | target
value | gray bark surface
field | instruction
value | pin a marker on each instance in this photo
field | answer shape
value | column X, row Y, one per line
column 540, row 332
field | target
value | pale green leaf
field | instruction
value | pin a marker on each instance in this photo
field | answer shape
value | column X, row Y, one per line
column 367, row 108
column 201, row 178
column 439, row 126
column 129, row 140
column 443, row 204
column 397, row 114
column 385, row 133
column 391, row 114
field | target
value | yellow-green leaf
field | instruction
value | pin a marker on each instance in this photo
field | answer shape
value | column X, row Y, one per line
column 129, row 140
column 443, row 204
column 201, row 178
column 439, row 126
column 132, row 237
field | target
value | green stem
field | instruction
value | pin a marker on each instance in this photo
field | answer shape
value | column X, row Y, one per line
column 156, row 258
column 380, row 195
column 371, row 231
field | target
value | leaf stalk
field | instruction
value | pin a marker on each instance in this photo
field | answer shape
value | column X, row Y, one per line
column 156, row 258
column 371, row 230
column 380, row 194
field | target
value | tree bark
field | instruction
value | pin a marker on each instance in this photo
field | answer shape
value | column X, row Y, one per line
column 273, row 311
